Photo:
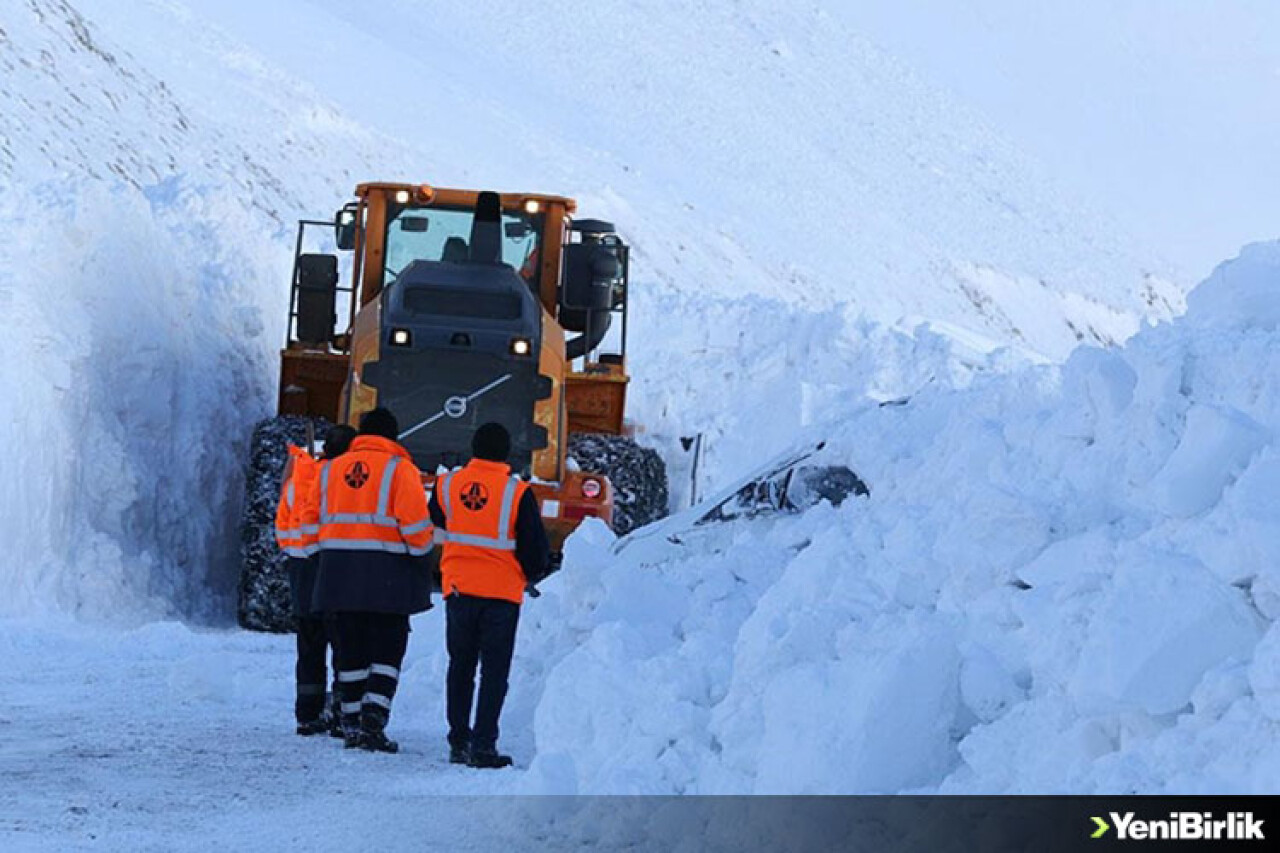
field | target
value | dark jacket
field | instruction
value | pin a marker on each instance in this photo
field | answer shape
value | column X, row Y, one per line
column 302, row 584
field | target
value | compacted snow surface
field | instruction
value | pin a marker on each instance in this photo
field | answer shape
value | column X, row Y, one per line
column 1066, row 578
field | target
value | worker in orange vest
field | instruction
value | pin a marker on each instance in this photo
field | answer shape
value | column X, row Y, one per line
column 494, row 544
column 314, row 638
column 373, row 534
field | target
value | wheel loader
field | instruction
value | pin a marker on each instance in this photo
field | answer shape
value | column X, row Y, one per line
column 461, row 307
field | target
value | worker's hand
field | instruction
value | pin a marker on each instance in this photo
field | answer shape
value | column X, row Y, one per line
column 553, row 566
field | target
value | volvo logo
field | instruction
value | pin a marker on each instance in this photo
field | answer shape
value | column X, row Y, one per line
column 455, row 407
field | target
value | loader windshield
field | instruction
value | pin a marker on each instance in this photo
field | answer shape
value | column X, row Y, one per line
column 442, row 234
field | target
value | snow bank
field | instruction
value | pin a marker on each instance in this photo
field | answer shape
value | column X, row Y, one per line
column 143, row 279
column 136, row 381
column 1241, row 293
column 1064, row 580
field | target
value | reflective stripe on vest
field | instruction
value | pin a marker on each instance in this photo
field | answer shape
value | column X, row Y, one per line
column 501, row 542
column 289, row 539
column 444, row 491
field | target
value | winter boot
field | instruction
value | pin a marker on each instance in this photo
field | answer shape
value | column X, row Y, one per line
column 350, row 730
column 373, row 722
column 459, row 754
column 378, row 742
column 335, row 716
column 488, row 757
column 318, row 726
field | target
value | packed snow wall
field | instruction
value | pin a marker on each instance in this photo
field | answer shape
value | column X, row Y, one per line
column 137, row 352
column 144, row 286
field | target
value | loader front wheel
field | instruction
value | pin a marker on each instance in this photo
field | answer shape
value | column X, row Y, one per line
column 265, row 603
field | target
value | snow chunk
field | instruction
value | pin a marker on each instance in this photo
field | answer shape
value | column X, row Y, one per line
column 875, row 721
column 1241, row 293
column 986, row 685
column 1264, row 674
column 1215, row 447
column 1163, row 624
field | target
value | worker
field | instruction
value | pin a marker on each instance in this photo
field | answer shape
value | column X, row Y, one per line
column 373, row 534
column 494, row 545
column 313, row 638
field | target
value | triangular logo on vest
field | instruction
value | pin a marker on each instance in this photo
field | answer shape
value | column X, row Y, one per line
column 356, row 475
column 475, row 496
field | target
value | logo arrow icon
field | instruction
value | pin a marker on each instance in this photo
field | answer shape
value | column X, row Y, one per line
column 1102, row 828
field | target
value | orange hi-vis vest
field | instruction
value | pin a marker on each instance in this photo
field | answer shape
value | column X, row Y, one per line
column 370, row 499
column 480, row 502
column 300, row 474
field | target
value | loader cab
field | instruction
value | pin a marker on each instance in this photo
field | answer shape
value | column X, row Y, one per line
column 450, row 291
column 398, row 224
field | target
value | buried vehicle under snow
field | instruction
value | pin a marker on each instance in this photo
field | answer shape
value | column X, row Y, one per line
column 791, row 482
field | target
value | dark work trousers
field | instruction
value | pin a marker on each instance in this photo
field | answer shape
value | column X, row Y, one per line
column 311, row 672
column 370, row 649
column 479, row 630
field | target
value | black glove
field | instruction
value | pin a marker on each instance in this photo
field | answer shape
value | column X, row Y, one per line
column 553, row 566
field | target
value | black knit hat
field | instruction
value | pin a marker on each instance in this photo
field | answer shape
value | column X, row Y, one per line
column 380, row 422
column 338, row 440
column 491, row 442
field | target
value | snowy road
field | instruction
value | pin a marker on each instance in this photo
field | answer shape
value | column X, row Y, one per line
column 164, row 738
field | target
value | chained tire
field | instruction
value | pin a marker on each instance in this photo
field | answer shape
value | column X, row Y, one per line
column 638, row 475
column 265, row 603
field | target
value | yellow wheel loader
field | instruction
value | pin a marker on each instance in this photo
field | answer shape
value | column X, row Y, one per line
column 461, row 307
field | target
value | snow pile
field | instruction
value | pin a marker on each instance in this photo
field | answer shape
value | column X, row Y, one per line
column 1065, row 579
column 130, row 395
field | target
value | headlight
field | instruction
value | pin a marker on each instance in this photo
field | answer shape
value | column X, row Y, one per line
column 591, row 489
column 402, row 196
column 532, row 206
column 521, row 346
column 401, row 337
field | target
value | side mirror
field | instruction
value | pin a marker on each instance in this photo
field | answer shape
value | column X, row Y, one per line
column 593, row 271
column 317, row 298
column 517, row 230
column 344, row 227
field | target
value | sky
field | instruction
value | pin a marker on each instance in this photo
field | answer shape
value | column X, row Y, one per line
column 1166, row 113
